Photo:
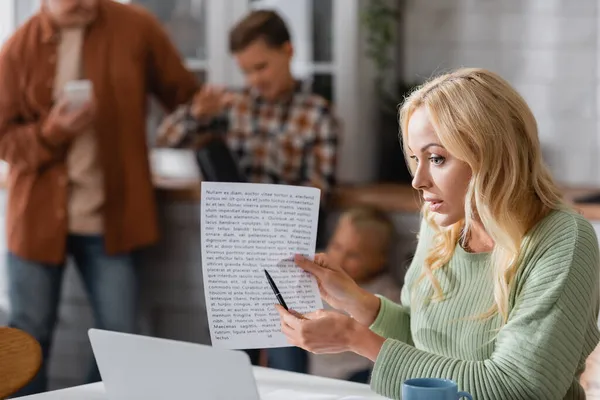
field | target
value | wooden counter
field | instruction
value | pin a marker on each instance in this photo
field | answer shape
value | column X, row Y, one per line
column 390, row 197
column 393, row 198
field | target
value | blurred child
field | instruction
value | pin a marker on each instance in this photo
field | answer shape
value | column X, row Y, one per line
column 361, row 245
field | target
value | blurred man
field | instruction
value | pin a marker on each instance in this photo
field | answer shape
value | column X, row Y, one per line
column 79, row 181
column 278, row 132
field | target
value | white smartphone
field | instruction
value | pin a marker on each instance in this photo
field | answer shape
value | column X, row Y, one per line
column 78, row 93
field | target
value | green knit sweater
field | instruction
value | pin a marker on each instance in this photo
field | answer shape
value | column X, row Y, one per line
column 538, row 354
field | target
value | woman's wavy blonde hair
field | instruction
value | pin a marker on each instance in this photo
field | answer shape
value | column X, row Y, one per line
column 480, row 119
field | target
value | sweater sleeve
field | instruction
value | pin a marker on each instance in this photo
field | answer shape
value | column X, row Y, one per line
column 538, row 350
column 393, row 320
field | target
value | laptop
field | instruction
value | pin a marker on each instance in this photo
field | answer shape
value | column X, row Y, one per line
column 135, row 367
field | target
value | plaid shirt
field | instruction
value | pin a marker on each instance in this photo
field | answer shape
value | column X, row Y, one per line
column 292, row 142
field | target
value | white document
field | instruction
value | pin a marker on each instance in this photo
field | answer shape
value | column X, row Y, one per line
column 296, row 395
column 288, row 394
column 245, row 229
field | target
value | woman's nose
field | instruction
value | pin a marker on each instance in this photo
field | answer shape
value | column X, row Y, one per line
column 421, row 179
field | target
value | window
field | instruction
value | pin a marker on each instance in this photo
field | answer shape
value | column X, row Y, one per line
column 13, row 13
column 7, row 20
column 185, row 21
column 24, row 9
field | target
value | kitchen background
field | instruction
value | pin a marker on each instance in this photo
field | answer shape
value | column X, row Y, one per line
column 549, row 49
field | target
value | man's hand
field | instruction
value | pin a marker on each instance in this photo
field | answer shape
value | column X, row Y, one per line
column 210, row 102
column 62, row 124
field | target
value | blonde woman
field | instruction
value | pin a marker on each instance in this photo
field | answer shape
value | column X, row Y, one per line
column 502, row 296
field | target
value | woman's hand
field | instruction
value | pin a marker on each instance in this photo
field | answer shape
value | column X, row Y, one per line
column 339, row 290
column 325, row 332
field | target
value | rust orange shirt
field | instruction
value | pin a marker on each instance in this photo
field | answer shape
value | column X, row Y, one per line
column 127, row 56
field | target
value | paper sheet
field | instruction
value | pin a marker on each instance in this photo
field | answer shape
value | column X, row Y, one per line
column 285, row 394
column 246, row 228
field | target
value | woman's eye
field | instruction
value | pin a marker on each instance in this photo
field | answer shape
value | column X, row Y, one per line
column 415, row 159
column 437, row 160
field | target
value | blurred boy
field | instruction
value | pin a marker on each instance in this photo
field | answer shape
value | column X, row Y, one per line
column 361, row 244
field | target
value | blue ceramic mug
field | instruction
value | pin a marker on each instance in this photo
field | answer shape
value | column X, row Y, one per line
column 432, row 389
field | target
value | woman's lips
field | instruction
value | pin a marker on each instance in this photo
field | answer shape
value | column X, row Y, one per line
column 434, row 205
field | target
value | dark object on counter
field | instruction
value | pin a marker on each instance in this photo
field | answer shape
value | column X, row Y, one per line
column 217, row 163
column 593, row 198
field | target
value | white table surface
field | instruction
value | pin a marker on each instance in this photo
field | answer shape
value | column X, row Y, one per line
column 269, row 382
